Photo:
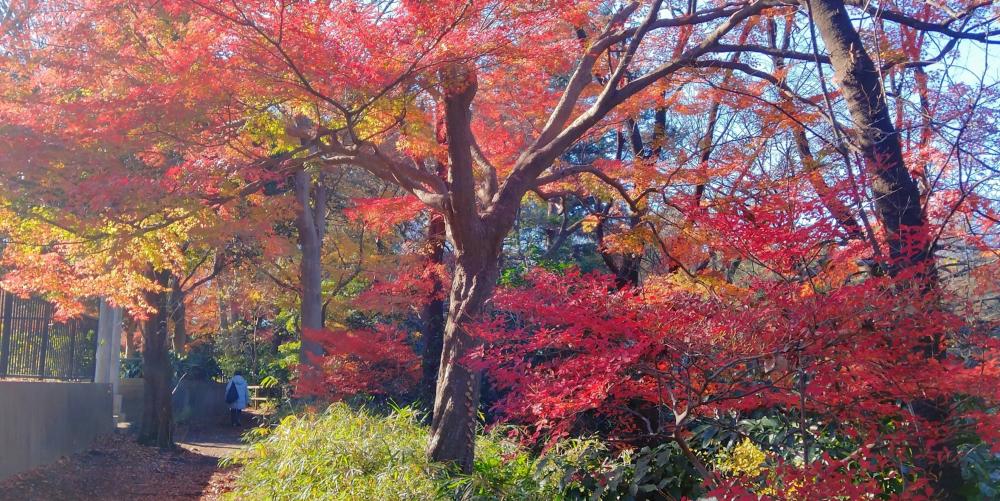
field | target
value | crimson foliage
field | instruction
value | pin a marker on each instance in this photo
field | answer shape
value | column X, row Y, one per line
column 574, row 355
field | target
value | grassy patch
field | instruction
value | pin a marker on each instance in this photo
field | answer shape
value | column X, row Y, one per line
column 340, row 454
column 348, row 454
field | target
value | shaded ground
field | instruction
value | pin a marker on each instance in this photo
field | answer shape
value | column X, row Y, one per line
column 211, row 441
column 117, row 468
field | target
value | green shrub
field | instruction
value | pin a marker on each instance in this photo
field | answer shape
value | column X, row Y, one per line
column 586, row 469
column 348, row 454
column 340, row 454
column 503, row 470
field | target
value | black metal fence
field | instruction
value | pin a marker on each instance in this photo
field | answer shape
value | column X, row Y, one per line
column 33, row 346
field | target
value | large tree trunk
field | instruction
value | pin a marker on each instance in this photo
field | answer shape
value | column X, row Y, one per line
column 477, row 242
column 897, row 198
column 311, row 225
column 128, row 332
column 453, row 428
column 157, row 418
column 433, row 314
column 178, row 317
column 223, row 311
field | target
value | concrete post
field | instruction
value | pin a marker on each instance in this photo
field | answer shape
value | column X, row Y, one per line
column 108, row 360
column 102, row 372
column 116, row 353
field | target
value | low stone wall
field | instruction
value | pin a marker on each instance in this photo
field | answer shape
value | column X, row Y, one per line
column 131, row 391
column 43, row 421
column 201, row 402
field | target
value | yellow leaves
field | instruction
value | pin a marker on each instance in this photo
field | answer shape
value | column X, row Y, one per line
column 631, row 241
column 269, row 128
column 748, row 460
column 716, row 282
column 74, row 95
column 386, row 113
column 419, row 143
column 275, row 127
column 705, row 284
column 594, row 186
column 590, row 223
column 833, row 273
column 65, row 258
column 744, row 459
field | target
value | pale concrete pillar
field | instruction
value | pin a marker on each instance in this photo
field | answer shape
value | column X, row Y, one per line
column 102, row 365
column 108, row 359
column 116, row 353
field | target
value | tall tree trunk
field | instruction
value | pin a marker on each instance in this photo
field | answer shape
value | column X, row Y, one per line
column 180, row 328
column 178, row 316
column 477, row 242
column 456, row 403
column 220, row 291
column 897, row 198
column 157, row 418
column 128, row 332
column 626, row 266
column 223, row 309
column 433, row 314
column 311, row 225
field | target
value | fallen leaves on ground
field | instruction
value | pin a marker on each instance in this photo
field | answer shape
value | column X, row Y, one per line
column 117, row 467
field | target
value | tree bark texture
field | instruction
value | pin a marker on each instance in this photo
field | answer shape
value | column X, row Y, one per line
column 311, row 225
column 178, row 316
column 128, row 332
column 477, row 242
column 456, row 404
column 897, row 198
column 433, row 314
column 157, row 425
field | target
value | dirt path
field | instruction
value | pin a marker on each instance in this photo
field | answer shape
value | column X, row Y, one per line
column 217, row 441
column 117, row 468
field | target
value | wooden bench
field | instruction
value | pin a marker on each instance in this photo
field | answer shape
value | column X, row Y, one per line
column 255, row 395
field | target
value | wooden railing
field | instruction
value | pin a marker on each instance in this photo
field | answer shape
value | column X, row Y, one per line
column 261, row 394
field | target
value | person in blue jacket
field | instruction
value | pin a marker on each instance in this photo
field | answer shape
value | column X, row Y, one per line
column 236, row 407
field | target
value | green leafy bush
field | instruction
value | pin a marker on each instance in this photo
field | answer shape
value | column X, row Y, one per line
column 348, row 454
column 503, row 471
column 340, row 454
column 587, row 469
column 351, row 454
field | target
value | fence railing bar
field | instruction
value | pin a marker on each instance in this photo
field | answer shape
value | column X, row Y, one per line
column 45, row 339
column 33, row 346
column 71, row 330
column 5, row 325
